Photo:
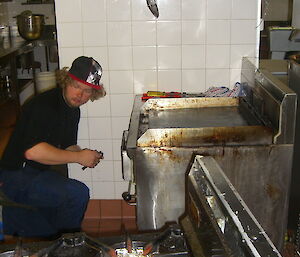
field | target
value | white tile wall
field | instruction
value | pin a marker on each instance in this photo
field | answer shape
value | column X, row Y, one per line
column 219, row 9
column 168, row 32
column 144, row 57
column 120, row 57
column 144, row 33
column 169, row 57
column 94, row 33
column 144, row 80
column 66, row 32
column 218, row 32
column 194, row 32
column 119, row 33
column 121, row 82
column 99, row 108
column 193, row 45
column 119, row 124
column 67, row 13
column 96, row 13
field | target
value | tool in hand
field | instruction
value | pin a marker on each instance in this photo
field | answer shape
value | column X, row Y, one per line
column 83, row 168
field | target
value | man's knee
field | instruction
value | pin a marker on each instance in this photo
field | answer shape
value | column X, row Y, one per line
column 85, row 192
column 79, row 190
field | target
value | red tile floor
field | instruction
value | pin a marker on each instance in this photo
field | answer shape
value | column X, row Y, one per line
column 109, row 217
column 116, row 217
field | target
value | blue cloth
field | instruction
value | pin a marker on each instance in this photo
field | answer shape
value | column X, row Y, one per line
column 60, row 203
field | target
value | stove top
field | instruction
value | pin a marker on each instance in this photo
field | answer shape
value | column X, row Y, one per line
column 169, row 242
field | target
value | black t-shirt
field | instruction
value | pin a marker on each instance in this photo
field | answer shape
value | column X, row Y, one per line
column 46, row 118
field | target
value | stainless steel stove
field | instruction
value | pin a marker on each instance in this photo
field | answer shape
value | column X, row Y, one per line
column 216, row 223
column 251, row 138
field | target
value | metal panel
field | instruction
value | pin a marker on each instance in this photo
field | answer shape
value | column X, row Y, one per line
column 273, row 101
column 211, row 136
column 214, row 202
column 255, row 171
column 294, row 83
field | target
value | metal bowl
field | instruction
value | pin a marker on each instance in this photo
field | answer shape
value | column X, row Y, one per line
column 30, row 27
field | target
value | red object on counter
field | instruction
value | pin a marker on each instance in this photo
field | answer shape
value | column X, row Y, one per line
column 148, row 95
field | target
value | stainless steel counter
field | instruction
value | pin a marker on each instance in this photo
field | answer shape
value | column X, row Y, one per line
column 278, row 68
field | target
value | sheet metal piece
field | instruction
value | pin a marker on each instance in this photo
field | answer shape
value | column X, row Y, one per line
column 160, row 182
column 216, row 198
column 271, row 99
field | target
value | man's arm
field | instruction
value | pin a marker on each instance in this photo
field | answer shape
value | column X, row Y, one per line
column 73, row 148
column 47, row 154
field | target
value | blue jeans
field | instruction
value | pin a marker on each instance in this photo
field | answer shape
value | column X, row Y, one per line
column 59, row 203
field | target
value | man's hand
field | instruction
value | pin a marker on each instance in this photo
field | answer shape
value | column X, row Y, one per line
column 90, row 158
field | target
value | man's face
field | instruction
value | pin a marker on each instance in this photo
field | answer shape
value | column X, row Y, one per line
column 77, row 93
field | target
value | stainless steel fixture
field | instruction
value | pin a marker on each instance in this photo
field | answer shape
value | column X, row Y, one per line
column 294, row 208
column 30, row 26
column 250, row 137
column 152, row 5
column 216, row 223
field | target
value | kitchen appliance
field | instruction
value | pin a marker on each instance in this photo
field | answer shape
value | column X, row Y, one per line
column 294, row 208
column 166, row 243
column 216, row 223
column 250, row 137
column 30, row 26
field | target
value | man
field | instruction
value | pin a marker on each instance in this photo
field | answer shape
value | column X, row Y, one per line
column 46, row 135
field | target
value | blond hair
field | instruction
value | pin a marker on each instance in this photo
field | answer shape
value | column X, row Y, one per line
column 63, row 79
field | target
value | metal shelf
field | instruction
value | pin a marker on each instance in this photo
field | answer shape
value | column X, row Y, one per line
column 40, row 2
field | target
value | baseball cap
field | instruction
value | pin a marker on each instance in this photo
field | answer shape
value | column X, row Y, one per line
column 86, row 70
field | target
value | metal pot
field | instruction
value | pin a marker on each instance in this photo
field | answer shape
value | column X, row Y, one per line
column 30, row 26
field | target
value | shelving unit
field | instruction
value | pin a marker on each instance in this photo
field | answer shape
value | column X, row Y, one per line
column 38, row 2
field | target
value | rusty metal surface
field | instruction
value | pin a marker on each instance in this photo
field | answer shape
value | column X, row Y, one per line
column 189, row 102
column 161, row 172
column 219, row 206
column 210, row 136
column 250, row 137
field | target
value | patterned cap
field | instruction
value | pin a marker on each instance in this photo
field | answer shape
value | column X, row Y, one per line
column 86, row 70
